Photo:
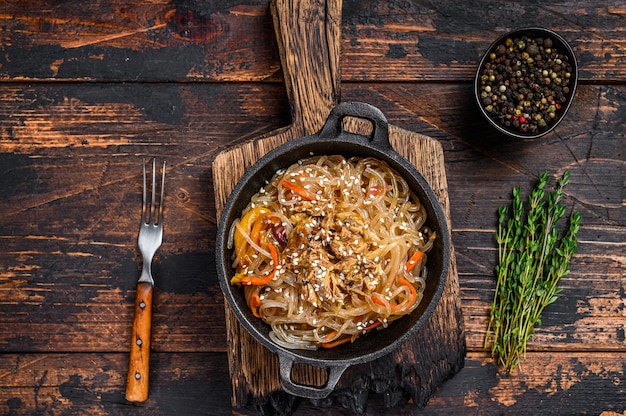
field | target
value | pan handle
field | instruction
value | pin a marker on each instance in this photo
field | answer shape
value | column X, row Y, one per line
column 334, row 123
column 286, row 363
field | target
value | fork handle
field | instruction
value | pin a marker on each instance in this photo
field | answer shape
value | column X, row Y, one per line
column 139, row 365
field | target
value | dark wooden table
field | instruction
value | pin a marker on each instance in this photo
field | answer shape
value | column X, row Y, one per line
column 88, row 89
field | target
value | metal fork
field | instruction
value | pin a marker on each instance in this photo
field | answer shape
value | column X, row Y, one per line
column 150, row 239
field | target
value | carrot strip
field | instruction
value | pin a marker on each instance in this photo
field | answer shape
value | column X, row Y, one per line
column 377, row 300
column 402, row 306
column 405, row 282
column 298, row 190
column 254, row 303
column 336, row 342
column 412, row 297
column 332, row 344
column 372, row 326
column 263, row 280
column 415, row 258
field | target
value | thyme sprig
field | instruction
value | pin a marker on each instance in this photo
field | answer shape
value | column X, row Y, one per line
column 532, row 257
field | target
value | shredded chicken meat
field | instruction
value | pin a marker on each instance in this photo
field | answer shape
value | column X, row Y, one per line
column 327, row 253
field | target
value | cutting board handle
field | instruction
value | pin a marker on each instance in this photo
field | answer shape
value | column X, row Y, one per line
column 309, row 43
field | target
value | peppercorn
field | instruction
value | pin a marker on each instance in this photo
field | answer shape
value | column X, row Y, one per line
column 532, row 49
column 522, row 80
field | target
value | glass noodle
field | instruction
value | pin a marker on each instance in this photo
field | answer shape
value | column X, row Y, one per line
column 330, row 249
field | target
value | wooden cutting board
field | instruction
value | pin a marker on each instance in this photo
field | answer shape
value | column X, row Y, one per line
column 309, row 38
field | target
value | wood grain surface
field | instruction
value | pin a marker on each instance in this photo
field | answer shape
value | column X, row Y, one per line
column 87, row 89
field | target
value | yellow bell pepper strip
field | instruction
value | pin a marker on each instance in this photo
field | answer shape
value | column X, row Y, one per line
column 263, row 280
column 246, row 223
column 236, row 279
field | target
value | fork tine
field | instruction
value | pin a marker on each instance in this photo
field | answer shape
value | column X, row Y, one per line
column 153, row 201
column 144, row 207
column 162, row 194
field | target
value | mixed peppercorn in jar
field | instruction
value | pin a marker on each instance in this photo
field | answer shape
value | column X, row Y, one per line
column 525, row 83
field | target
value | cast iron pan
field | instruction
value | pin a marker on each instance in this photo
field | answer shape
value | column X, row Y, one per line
column 334, row 139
